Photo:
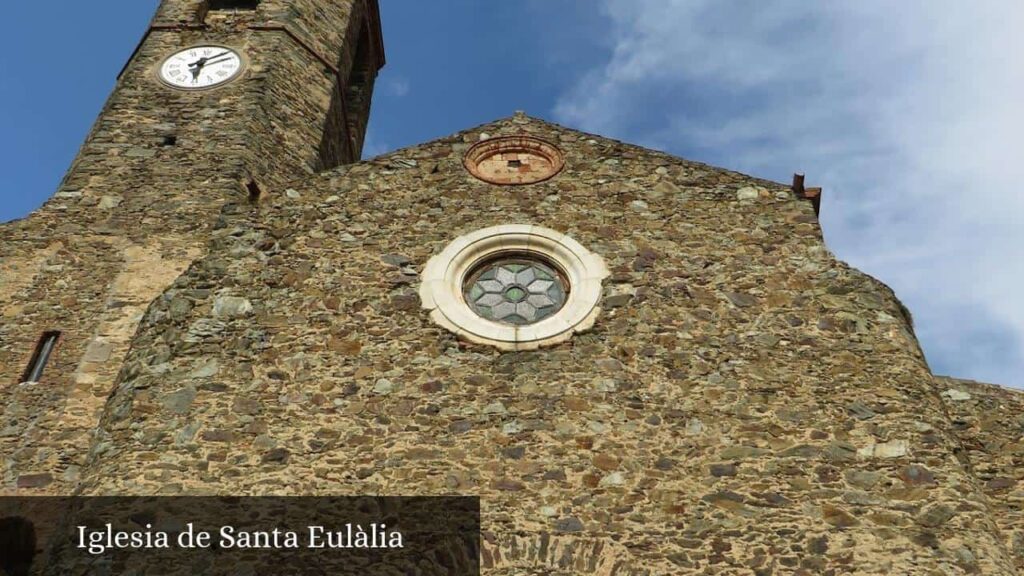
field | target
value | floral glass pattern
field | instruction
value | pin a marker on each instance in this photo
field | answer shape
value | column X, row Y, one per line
column 516, row 291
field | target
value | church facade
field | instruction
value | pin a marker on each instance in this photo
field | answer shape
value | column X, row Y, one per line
column 641, row 364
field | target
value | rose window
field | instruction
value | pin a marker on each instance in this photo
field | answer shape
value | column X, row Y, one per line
column 516, row 291
column 514, row 286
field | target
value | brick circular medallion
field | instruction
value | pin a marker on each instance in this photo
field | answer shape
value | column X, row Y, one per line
column 516, row 287
column 510, row 160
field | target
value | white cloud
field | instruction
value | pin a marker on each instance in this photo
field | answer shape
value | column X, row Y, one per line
column 397, row 87
column 908, row 113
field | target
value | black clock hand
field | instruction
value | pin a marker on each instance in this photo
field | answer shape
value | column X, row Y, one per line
column 196, row 70
column 212, row 62
column 197, row 67
column 206, row 59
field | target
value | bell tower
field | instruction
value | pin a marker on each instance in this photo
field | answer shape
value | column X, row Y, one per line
column 222, row 104
column 308, row 69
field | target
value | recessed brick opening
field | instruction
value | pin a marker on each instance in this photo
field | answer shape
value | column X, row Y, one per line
column 169, row 141
column 233, row 4
column 41, row 356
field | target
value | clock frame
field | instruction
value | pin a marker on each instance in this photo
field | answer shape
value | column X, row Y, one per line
column 169, row 82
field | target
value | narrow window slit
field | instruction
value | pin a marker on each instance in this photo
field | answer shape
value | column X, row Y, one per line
column 44, row 349
column 515, row 163
column 169, row 140
column 233, row 4
column 254, row 191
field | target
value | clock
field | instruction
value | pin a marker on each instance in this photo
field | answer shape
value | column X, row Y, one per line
column 200, row 67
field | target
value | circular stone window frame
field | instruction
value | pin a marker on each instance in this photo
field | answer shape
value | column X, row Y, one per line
column 441, row 290
column 510, row 144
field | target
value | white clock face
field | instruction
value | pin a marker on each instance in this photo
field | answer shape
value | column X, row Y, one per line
column 201, row 67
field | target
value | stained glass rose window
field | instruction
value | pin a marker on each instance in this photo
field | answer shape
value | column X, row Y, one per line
column 514, row 287
column 516, row 290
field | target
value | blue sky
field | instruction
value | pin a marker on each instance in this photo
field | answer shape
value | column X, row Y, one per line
column 907, row 113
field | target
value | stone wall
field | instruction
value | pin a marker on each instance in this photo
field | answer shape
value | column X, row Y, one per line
column 745, row 403
column 990, row 422
column 136, row 209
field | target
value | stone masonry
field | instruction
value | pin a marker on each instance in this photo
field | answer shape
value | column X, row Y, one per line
column 138, row 205
column 744, row 404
